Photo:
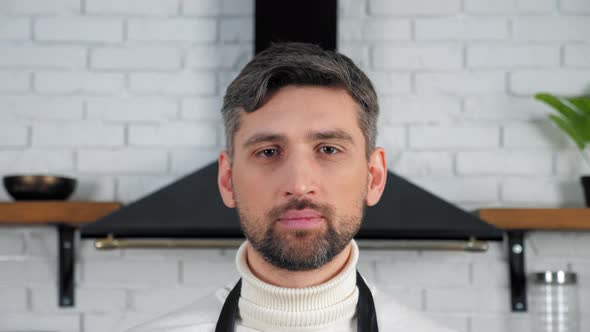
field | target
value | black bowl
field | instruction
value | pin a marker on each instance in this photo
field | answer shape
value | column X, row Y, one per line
column 39, row 187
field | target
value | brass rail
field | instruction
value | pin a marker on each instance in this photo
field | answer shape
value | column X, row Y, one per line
column 471, row 245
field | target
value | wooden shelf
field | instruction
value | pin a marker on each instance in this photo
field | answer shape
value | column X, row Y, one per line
column 553, row 219
column 47, row 212
column 66, row 216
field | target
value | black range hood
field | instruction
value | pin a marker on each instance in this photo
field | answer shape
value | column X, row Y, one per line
column 192, row 208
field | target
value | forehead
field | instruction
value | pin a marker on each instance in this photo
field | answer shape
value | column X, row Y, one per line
column 294, row 111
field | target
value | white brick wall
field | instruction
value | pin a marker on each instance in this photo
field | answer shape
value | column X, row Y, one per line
column 551, row 28
column 36, row 160
column 461, row 137
column 506, row 56
column 79, row 134
column 461, row 83
column 40, row 7
column 122, row 161
column 32, row 108
column 381, row 29
column 564, row 81
column 217, row 57
column 504, row 163
column 132, row 7
column 236, row 29
column 577, row 55
column 533, row 135
column 201, row 7
column 509, row 6
column 13, row 299
column 52, row 56
column 78, row 82
column 131, row 273
column 15, row 81
column 40, row 322
column 461, row 29
column 79, row 30
column 13, row 136
column 179, row 83
column 136, row 58
column 418, row 57
column 419, row 109
column 172, row 30
column 84, row 83
column 413, row 163
column 139, row 109
column 420, row 7
column 173, row 134
column 15, row 29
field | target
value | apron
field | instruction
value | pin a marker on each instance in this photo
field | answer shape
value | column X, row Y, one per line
column 365, row 309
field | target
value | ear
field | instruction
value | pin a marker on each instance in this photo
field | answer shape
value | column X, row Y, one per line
column 377, row 176
column 224, row 180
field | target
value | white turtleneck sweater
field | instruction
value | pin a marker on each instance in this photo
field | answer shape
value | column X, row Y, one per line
column 328, row 307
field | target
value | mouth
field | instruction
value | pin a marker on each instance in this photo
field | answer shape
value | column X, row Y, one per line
column 300, row 219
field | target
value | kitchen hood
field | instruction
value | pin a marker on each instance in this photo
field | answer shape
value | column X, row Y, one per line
column 192, row 208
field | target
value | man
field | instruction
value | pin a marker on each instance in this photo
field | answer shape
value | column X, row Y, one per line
column 300, row 167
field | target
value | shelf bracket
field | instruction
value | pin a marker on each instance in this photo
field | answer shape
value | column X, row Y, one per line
column 66, row 258
column 517, row 270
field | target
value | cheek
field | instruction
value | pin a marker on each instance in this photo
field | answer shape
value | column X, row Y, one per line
column 351, row 176
column 347, row 186
column 251, row 187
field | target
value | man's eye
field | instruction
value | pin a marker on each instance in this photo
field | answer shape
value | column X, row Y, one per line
column 329, row 149
column 268, row 153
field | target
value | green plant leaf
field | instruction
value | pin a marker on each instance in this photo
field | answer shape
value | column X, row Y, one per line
column 581, row 103
column 573, row 116
column 583, row 129
column 568, row 112
column 569, row 129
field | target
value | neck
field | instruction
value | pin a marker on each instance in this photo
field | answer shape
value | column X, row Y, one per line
column 273, row 275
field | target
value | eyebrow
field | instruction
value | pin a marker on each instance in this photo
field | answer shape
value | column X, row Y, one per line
column 335, row 134
column 264, row 137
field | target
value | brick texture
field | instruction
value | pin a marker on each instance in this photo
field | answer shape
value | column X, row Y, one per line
column 42, row 56
column 125, row 96
column 79, row 30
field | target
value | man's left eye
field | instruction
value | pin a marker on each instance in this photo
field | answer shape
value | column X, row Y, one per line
column 329, row 149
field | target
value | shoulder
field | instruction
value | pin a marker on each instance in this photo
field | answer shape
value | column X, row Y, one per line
column 394, row 316
column 200, row 315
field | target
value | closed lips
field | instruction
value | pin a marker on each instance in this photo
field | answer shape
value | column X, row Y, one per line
column 294, row 219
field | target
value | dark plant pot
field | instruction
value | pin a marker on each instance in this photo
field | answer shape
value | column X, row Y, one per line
column 586, row 184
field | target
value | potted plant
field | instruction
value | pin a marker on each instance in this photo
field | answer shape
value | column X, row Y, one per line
column 573, row 117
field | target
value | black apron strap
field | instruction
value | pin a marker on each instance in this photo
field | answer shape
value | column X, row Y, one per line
column 229, row 312
column 365, row 308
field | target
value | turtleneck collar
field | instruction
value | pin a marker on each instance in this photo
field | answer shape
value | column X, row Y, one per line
column 263, row 305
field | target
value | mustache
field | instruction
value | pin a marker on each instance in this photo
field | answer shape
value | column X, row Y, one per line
column 325, row 210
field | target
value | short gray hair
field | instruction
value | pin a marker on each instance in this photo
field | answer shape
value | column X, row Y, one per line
column 286, row 64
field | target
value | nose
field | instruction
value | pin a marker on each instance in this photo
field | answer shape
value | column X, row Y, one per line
column 300, row 177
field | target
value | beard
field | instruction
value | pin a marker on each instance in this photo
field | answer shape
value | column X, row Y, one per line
column 300, row 250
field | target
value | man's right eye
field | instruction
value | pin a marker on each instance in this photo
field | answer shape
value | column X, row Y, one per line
column 268, row 153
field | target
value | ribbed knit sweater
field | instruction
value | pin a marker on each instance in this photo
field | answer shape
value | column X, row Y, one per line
column 330, row 306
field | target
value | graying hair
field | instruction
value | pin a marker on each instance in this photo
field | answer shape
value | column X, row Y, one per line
column 303, row 64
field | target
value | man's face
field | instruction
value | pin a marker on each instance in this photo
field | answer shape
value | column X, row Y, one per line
column 300, row 176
